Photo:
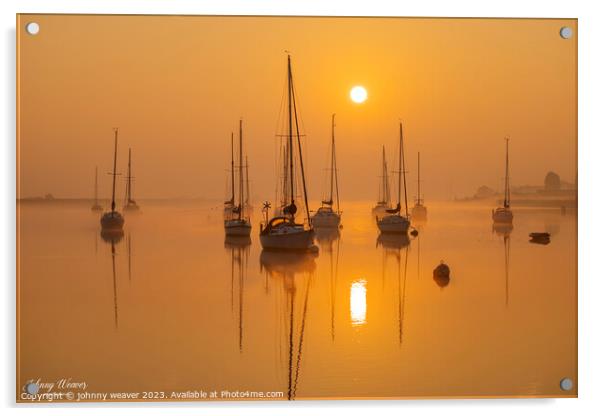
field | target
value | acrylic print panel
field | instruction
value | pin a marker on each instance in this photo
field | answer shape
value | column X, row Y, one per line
column 286, row 208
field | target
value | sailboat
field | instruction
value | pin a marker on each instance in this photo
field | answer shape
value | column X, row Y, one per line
column 96, row 207
column 326, row 217
column 504, row 214
column 419, row 210
column 112, row 221
column 384, row 192
column 229, row 204
column 240, row 224
column 130, row 204
column 393, row 222
column 282, row 232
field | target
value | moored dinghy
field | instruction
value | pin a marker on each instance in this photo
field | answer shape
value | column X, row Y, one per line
column 393, row 221
column 112, row 221
column 326, row 217
column 282, row 232
column 239, row 224
column 539, row 238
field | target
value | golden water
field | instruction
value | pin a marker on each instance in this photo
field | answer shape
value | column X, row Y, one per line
column 185, row 310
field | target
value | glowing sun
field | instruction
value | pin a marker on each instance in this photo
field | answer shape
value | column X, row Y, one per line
column 358, row 94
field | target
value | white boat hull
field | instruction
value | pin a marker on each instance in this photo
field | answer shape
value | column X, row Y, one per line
column 419, row 212
column 326, row 220
column 394, row 241
column 502, row 216
column 298, row 240
column 237, row 228
column 393, row 224
column 237, row 241
column 131, row 208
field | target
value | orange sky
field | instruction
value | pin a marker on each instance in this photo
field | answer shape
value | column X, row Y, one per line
column 177, row 85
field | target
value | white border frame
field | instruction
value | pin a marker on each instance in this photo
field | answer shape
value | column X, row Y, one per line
column 590, row 286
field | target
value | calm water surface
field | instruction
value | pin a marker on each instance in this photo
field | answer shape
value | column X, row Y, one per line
column 172, row 306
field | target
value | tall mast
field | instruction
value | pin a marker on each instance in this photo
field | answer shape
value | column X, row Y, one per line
column 402, row 170
column 96, row 186
column 506, row 185
column 334, row 167
column 247, row 179
column 385, row 182
column 399, row 165
column 332, row 164
column 290, row 131
column 300, row 151
column 129, row 184
column 232, row 167
column 240, row 173
column 284, row 177
column 114, row 170
column 419, row 201
column 381, row 188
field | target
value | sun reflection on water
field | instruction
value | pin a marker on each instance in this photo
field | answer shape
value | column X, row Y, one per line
column 357, row 302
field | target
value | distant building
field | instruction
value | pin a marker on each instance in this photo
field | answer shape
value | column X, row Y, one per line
column 554, row 192
column 484, row 192
column 49, row 197
column 551, row 182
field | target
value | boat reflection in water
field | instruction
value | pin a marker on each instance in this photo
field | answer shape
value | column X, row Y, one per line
column 504, row 231
column 329, row 241
column 392, row 244
column 238, row 246
column 237, row 241
column 393, row 241
column 113, row 237
column 326, row 237
column 129, row 250
column 293, row 272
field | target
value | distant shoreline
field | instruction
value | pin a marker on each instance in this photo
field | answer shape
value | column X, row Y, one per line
column 107, row 201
